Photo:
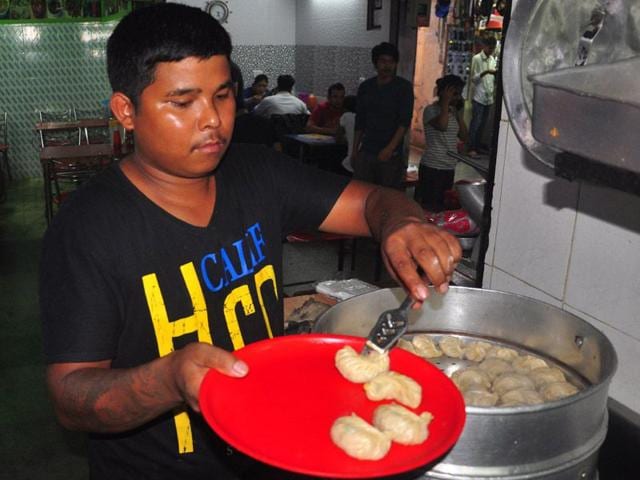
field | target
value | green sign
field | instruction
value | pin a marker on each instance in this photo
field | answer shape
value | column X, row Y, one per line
column 36, row 11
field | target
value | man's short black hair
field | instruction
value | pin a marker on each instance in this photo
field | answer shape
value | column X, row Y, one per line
column 384, row 48
column 286, row 83
column 449, row 81
column 335, row 87
column 238, row 82
column 261, row 78
column 164, row 32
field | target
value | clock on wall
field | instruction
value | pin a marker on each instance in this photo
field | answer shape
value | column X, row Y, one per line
column 218, row 9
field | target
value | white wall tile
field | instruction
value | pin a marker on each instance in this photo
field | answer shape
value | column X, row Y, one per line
column 507, row 283
column 487, row 276
column 501, row 154
column 533, row 238
column 604, row 275
column 625, row 386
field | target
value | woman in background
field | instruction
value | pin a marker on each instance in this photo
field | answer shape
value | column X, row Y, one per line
column 443, row 126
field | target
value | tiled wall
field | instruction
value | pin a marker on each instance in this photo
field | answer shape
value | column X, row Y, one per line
column 48, row 67
column 573, row 245
column 318, row 67
column 272, row 60
column 58, row 66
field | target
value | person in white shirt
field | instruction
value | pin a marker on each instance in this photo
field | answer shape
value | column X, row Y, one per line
column 347, row 129
column 483, row 76
column 283, row 102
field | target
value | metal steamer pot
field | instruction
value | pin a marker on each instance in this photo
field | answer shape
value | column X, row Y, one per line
column 554, row 441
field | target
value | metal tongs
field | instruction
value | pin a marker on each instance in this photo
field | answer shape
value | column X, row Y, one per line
column 391, row 325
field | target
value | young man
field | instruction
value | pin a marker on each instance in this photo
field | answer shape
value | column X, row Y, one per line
column 163, row 265
column 483, row 78
column 283, row 102
column 385, row 107
column 254, row 94
column 325, row 118
column 443, row 126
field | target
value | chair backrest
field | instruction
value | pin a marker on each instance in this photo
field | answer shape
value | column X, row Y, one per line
column 97, row 130
column 288, row 123
column 59, row 135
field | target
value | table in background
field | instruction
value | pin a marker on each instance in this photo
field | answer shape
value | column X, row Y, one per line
column 321, row 150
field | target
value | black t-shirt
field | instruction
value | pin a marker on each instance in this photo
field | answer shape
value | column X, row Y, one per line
column 124, row 280
column 249, row 128
column 381, row 109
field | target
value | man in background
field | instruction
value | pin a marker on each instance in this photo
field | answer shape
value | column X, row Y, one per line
column 254, row 94
column 483, row 78
column 384, row 110
column 325, row 118
column 283, row 102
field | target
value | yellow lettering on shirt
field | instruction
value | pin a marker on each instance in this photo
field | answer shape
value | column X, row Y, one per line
column 265, row 274
column 239, row 295
column 166, row 330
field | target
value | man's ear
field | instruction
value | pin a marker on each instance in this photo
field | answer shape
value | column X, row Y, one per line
column 123, row 109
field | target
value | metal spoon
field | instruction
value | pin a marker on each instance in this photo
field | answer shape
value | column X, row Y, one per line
column 391, row 325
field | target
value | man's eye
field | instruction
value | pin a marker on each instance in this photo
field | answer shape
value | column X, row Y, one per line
column 223, row 94
column 181, row 103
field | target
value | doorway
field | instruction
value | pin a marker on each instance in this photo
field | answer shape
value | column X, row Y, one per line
column 445, row 43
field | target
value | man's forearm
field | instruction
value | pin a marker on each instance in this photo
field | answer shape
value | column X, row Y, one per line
column 387, row 209
column 115, row 400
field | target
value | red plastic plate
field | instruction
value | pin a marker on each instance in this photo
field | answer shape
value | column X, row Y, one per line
column 281, row 413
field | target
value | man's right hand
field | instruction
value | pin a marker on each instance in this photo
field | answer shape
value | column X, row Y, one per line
column 191, row 363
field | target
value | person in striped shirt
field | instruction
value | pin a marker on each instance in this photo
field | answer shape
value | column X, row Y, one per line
column 443, row 126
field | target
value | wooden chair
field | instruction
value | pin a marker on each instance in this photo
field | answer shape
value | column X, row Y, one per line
column 287, row 124
column 94, row 127
column 66, row 166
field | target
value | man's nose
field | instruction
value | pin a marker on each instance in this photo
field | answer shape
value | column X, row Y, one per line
column 210, row 117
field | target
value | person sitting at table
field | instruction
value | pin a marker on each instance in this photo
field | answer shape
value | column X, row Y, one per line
column 283, row 102
column 249, row 128
column 169, row 261
column 253, row 95
column 325, row 118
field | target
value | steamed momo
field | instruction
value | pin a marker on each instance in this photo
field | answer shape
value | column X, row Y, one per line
column 521, row 396
column 545, row 375
column 394, row 386
column 425, row 346
column 476, row 351
column 479, row 398
column 360, row 368
column 406, row 345
column 528, row 363
column 472, row 378
column 495, row 367
column 504, row 353
column 511, row 381
column 558, row 390
column 402, row 425
column 359, row 439
column 451, row 347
